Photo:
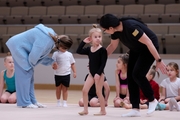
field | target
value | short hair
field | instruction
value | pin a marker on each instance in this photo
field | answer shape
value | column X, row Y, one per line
column 109, row 20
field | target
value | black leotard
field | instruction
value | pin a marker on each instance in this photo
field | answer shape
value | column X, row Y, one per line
column 97, row 59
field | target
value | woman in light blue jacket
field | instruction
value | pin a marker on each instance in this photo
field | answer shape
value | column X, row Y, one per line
column 28, row 49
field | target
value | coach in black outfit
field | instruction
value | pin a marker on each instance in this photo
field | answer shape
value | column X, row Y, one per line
column 143, row 45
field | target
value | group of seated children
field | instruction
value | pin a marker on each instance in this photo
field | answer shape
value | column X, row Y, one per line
column 169, row 99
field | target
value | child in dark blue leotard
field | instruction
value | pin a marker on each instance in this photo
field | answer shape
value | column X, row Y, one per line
column 97, row 60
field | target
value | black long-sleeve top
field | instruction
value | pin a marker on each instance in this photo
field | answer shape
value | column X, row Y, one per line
column 97, row 59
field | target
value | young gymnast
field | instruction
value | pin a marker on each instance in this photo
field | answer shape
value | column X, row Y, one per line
column 97, row 61
column 8, row 77
column 122, row 93
column 29, row 49
column 66, row 63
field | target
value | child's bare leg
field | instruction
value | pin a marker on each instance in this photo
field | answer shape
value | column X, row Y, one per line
column 81, row 103
column 12, row 98
column 65, row 95
column 65, row 92
column 58, row 92
column 143, row 106
column 87, row 85
column 99, row 85
column 126, row 105
column 4, row 97
column 58, row 95
column 94, row 102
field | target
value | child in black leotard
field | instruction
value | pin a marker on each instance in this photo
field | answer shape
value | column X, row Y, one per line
column 97, row 61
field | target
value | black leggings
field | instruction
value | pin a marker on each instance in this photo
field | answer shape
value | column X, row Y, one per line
column 138, row 66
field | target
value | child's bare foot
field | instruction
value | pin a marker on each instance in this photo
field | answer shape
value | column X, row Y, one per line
column 100, row 114
column 83, row 113
column 125, row 105
column 121, row 104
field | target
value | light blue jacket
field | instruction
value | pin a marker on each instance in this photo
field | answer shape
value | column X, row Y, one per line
column 32, row 47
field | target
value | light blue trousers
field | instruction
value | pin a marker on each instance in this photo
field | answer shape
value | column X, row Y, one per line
column 24, row 81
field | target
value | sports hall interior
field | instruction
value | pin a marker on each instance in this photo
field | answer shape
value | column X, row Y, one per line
column 75, row 18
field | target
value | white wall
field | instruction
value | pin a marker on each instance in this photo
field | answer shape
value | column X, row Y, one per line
column 44, row 74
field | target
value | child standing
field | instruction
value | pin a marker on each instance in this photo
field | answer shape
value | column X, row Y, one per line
column 7, row 77
column 97, row 61
column 122, row 93
column 65, row 62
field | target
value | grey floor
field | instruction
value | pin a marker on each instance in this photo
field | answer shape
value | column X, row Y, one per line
column 11, row 111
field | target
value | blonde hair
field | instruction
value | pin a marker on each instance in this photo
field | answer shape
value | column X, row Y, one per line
column 94, row 29
column 7, row 55
column 63, row 41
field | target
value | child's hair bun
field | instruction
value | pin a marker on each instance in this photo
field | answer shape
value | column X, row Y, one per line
column 8, row 54
column 154, row 67
column 94, row 25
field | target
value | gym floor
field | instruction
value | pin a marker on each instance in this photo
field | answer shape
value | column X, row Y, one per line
column 47, row 97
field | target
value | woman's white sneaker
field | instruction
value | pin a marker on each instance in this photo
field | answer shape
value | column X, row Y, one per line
column 39, row 105
column 152, row 107
column 30, row 106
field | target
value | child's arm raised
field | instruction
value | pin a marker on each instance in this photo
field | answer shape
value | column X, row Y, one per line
column 81, row 49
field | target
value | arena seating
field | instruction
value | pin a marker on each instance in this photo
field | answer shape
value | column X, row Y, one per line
column 75, row 18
